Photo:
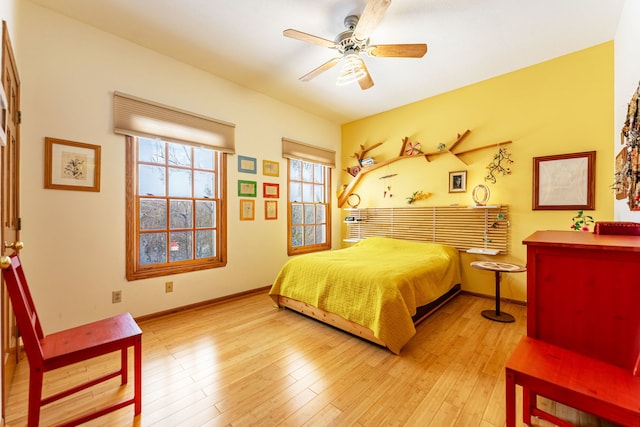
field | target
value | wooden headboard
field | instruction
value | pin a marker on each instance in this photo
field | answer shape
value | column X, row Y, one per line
column 463, row 227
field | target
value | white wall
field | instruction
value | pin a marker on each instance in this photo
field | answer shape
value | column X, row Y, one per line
column 627, row 76
column 75, row 241
column 8, row 11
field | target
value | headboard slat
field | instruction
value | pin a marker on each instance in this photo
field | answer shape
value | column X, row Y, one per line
column 463, row 227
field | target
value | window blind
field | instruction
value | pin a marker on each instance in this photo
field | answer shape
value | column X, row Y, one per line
column 139, row 117
column 299, row 150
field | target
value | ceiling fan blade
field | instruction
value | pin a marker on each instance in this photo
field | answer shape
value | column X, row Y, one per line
column 321, row 69
column 370, row 18
column 299, row 35
column 366, row 82
column 398, row 50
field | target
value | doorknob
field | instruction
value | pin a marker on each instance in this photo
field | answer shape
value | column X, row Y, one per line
column 16, row 246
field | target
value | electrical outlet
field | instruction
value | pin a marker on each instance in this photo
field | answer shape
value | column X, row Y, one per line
column 116, row 297
column 168, row 287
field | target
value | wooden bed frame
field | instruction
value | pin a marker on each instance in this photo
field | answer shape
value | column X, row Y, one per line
column 360, row 331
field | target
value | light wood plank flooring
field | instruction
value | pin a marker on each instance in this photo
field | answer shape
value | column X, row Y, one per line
column 246, row 363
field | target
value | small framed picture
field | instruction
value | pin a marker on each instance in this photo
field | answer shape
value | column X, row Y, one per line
column 457, row 182
column 246, row 188
column 270, row 190
column 270, row 209
column 247, row 210
column 247, row 164
column 71, row 165
column 270, row 168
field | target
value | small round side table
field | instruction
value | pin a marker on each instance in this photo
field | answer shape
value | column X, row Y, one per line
column 498, row 267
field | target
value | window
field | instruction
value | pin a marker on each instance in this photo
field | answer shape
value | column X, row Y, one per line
column 309, row 213
column 176, row 219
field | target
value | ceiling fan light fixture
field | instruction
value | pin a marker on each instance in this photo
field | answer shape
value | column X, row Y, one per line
column 352, row 71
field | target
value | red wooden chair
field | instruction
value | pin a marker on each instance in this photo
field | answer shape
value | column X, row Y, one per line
column 46, row 353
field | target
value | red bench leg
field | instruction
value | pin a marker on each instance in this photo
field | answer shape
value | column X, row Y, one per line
column 35, row 397
column 137, row 355
column 511, row 399
column 124, row 366
column 529, row 402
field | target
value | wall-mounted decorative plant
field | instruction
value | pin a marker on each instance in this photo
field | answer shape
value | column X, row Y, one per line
column 418, row 195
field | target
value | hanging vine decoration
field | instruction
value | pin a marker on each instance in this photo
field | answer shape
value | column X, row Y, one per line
column 499, row 165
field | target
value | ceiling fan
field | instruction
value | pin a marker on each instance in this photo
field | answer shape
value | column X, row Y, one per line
column 354, row 41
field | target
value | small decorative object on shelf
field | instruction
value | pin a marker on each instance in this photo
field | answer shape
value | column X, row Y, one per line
column 581, row 222
column 412, row 148
column 480, row 194
column 418, row 195
column 353, row 200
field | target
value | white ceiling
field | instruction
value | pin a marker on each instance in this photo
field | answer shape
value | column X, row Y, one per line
column 242, row 41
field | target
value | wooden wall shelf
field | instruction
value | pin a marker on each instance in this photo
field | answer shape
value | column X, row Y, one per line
column 342, row 198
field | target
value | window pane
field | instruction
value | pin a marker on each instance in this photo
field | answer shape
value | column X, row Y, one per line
column 179, row 154
column 318, row 193
column 181, row 214
column 318, row 173
column 179, row 182
column 173, row 218
column 295, row 192
column 296, row 214
column 307, row 171
column 321, row 214
column 205, row 214
column 295, row 170
column 308, row 207
column 307, row 193
column 309, row 214
column 296, row 236
column 205, row 243
column 321, row 234
column 153, row 214
column 153, row 248
column 151, row 150
column 309, row 234
column 151, row 180
column 203, row 184
column 203, row 158
column 181, row 246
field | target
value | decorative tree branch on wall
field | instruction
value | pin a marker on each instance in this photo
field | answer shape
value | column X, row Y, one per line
column 359, row 171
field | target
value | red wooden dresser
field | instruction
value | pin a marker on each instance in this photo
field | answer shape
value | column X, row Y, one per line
column 583, row 327
column 583, row 293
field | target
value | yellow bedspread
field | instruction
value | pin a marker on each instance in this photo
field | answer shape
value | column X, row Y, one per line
column 377, row 283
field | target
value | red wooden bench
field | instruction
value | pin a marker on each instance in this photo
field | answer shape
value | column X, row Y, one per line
column 573, row 379
column 46, row 353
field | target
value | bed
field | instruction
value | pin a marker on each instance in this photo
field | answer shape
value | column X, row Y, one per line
column 378, row 289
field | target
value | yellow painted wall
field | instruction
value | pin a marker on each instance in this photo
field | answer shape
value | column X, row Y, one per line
column 560, row 106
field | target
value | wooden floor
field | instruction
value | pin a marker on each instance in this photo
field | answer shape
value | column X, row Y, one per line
column 247, row 363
